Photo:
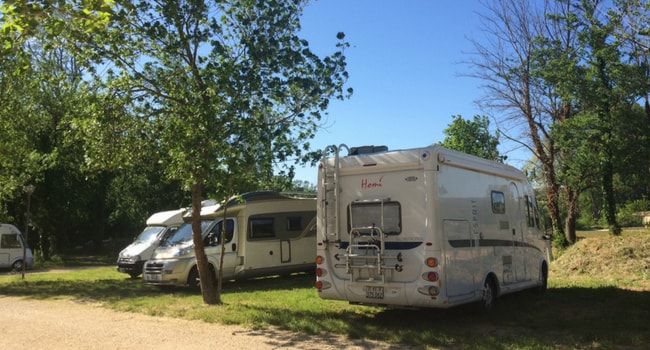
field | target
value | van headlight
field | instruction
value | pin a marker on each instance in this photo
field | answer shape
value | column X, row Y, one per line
column 183, row 251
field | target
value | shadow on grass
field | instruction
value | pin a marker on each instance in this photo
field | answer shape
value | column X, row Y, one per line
column 110, row 288
column 567, row 318
column 561, row 318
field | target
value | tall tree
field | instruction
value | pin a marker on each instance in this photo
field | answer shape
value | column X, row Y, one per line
column 21, row 163
column 505, row 60
column 472, row 137
column 607, row 88
column 222, row 89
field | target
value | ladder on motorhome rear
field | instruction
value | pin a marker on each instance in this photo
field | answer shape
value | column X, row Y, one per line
column 330, row 196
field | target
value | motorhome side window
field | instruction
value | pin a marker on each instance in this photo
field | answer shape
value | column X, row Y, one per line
column 9, row 241
column 386, row 216
column 498, row 202
column 261, row 227
column 294, row 223
column 531, row 212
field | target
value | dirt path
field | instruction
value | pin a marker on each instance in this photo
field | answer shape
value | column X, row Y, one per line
column 37, row 324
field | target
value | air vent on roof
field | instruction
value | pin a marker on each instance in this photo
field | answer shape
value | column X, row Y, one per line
column 367, row 149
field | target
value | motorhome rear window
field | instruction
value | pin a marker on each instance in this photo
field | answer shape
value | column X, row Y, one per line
column 498, row 202
column 261, row 228
column 387, row 216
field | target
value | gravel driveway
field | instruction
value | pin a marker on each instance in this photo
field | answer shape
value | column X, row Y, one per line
column 45, row 324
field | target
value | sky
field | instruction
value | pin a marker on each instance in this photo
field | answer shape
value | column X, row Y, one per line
column 404, row 63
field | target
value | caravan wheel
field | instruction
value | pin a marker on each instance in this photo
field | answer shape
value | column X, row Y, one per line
column 489, row 295
column 17, row 266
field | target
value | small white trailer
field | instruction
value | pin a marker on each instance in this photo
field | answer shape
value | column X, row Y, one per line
column 267, row 233
column 425, row 228
column 12, row 248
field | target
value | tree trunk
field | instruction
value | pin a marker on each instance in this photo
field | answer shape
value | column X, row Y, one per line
column 608, row 193
column 552, row 194
column 206, row 277
column 572, row 215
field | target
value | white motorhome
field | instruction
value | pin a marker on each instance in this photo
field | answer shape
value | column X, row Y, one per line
column 267, row 234
column 425, row 228
column 131, row 259
column 12, row 247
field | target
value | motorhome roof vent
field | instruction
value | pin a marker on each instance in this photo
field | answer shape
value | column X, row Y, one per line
column 367, row 149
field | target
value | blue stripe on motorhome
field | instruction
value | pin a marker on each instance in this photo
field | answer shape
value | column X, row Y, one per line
column 466, row 243
column 455, row 243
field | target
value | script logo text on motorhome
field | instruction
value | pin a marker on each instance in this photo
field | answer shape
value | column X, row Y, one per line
column 365, row 183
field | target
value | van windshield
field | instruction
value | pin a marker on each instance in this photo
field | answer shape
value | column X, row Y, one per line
column 149, row 234
column 183, row 234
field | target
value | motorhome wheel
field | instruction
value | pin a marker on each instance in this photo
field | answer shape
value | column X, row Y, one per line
column 489, row 295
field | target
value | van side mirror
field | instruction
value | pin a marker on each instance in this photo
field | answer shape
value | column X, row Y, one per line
column 211, row 240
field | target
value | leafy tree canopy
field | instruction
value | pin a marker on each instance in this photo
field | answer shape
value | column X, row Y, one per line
column 472, row 137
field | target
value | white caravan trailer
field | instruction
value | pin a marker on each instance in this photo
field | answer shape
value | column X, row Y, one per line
column 131, row 259
column 11, row 249
column 266, row 234
column 425, row 228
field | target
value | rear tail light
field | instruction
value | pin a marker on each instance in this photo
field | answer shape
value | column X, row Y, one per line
column 430, row 276
column 431, row 262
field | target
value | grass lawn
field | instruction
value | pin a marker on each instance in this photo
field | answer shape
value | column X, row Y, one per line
column 598, row 297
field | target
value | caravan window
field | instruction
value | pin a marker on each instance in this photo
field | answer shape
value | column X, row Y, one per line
column 364, row 215
column 10, row 241
column 498, row 202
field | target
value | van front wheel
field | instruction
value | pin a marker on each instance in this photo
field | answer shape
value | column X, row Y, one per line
column 193, row 279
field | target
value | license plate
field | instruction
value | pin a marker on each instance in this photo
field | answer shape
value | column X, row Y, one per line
column 374, row 292
column 152, row 278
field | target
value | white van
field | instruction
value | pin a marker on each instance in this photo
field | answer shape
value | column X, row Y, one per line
column 132, row 258
column 267, row 234
column 426, row 228
column 11, row 249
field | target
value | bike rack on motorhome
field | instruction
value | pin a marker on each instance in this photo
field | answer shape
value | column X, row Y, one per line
column 426, row 228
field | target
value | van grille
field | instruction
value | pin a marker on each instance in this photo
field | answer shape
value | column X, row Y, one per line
column 153, row 268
